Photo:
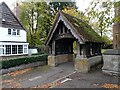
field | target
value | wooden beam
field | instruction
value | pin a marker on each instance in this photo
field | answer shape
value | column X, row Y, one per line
column 50, row 49
column 88, row 50
column 63, row 29
column 84, row 51
column 53, row 48
column 78, row 48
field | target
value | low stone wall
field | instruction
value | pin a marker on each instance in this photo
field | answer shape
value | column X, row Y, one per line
column 95, row 60
column 111, row 64
column 84, row 64
column 58, row 59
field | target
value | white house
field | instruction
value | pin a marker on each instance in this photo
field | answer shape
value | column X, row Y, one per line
column 12, row 33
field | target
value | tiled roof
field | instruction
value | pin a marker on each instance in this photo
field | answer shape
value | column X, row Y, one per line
column 83, row 30
column 8, row 19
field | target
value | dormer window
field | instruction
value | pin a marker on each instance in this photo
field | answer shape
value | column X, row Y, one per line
column 18, row 32
column 9, row 31
column 13, row 32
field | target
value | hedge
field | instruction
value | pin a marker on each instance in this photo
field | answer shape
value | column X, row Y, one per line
column 25, row 60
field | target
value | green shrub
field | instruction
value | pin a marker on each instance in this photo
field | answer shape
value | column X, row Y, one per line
column 25, row 60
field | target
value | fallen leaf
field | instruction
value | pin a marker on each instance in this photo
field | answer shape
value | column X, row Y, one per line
column 110, row 86
column 19, row 72
column 49, row 85
column 7, row 81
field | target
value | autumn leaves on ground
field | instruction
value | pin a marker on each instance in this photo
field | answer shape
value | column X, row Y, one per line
column 16, row 84
column 13, row 82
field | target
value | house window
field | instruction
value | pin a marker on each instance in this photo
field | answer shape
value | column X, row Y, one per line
column 14, row 32
column 25, row 48
column 18, row 32
column 1, row 50
column 20, row 49
column 8, row 49
column 9, row 31
column 14, row 49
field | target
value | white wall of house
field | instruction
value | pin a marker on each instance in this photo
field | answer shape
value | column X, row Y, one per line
column 16, row 44
column 5, row 37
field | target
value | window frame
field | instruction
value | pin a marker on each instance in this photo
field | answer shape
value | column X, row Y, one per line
column 14, row 49
column 14, row 32
column 2, row 49
column 10, row 31
column 25, row 49
column 8, row 49
column 20, row 50
column 18, row 32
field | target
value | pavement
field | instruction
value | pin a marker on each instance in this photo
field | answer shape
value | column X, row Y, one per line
column 93, row 79
column 62, row 76
column 21, row 67
column 36, row 76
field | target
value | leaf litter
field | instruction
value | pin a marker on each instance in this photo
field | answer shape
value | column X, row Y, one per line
column 106, row 85
column 19, row 72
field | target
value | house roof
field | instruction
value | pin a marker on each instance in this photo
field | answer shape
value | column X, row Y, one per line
column 81, row 30
column 8, row 19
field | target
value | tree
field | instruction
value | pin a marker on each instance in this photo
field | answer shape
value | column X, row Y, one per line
column 99, row 14
column 55, row 6
column 36, row 19
column 117, row 17
column 76, row 13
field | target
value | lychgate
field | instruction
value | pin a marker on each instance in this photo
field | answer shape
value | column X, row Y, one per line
column 66, row 30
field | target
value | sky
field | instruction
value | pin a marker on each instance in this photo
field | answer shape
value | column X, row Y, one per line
column 82, row 4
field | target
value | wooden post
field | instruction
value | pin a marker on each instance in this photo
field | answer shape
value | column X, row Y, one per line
column 87, row 50
column 71, row 45
column 78, row 48
column 84, row 50
column 99, row 49
column 50, row 49
column 59, row 31
column 63, row 29
column 53, row 48
column 93, row 49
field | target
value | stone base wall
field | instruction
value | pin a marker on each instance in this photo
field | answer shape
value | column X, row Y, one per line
column 84, row 64
column 58, row 59
column 111, row 64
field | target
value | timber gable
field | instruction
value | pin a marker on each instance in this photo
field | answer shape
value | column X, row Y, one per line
column 79, row 29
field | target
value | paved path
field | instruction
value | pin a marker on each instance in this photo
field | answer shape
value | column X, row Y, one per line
column 62, row 76
column 37, row 76
column 93, row 79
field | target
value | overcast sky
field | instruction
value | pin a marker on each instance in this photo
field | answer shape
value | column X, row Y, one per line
column 82, row 4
